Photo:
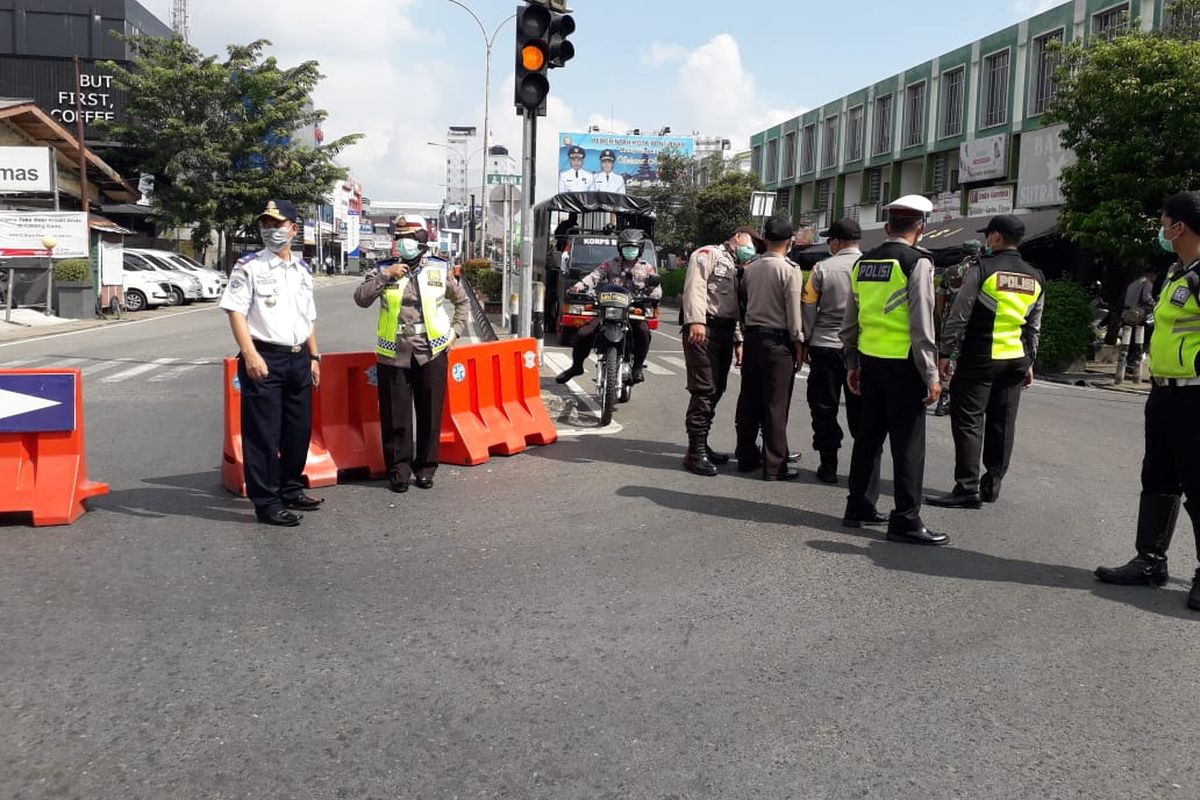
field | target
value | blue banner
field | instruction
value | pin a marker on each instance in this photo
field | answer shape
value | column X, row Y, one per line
column 37, row 403
column 609, row 162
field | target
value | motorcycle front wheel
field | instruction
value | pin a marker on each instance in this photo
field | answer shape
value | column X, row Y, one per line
column 612, row 384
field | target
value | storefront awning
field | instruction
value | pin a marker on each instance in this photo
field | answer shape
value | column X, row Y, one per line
column 947, row 235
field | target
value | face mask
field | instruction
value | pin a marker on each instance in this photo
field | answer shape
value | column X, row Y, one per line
column 275, row 239
column 987, row 249
column 745, row 252
column 629, row 253
column 1164, row 242
column 408, row 249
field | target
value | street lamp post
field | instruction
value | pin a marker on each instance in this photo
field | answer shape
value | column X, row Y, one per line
column 467, row 168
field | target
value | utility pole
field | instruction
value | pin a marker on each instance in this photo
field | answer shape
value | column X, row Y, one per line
column 528, row 170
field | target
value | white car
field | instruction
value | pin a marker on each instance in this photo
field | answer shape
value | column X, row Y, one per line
column 212, row 282
column 185, row 287
column 144, row 289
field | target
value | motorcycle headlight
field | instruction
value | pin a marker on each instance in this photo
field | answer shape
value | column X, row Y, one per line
column 614, row 313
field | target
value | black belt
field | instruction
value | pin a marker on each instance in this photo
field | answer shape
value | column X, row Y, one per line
column 777, row 333
column 1175, row 383
column 719, row 322
column 270, row 347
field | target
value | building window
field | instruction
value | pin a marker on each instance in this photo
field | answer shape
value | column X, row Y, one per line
column 829, row 155
column 772, row 161
column 756, row 160
column 824, row 195
column 953, row 83
column 783, row 202
column 994, row 108
column 1045, row 62
column 881, row 138
column 809, row 160
column 914, row 114
column 789, row 155
column 854, row 134
column 1112, row 21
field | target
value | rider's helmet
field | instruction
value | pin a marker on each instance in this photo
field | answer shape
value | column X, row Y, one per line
column 631, row 237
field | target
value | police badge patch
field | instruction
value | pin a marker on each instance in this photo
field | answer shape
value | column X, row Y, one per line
column 1180, row 297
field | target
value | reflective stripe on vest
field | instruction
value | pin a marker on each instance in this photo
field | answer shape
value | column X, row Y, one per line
column 431, row 284
column 1010, row 295
column 881, row 288
column 1176, row 340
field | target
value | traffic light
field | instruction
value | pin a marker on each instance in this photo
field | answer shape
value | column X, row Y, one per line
column 533, row 58
column 561, row 51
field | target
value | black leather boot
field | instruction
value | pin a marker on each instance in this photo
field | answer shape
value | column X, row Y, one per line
column 719, row 459
column 827, row 471
column 697, row 461
column 1156, row 523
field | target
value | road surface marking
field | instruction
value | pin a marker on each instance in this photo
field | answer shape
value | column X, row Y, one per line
column 675, row 362
column 174, row 372
column 140, row 369
column 654, row 369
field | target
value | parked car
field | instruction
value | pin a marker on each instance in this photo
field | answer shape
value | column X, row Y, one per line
column 212, row 282
column 185, row 287
column 144, row 289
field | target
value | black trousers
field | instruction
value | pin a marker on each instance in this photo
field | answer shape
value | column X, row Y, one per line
column 892, row 409
column 984, row 398
column 707, row 375
column 768, row 375
column 585, row 337
column 403, row 390
column 826, row 387
column 276, row 429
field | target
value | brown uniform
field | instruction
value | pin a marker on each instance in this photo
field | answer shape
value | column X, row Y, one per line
column 773, row 289
column 710, row 298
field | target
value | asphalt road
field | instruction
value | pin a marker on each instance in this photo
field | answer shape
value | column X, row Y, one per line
column 584, row 620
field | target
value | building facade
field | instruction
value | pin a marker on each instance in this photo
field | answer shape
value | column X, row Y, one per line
column 965, row 128
column 460, row 139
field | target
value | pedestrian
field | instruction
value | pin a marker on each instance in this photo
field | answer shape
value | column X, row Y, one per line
column 412, row 336
column 1136, row 313
column 773, row 326
column 711, row 338
column 272, row 312
column 992, row 335
column 891, row 361
column 1171, row 463
column 328, row 265
column 627, row 270
column 947, row 285
column 826, row 295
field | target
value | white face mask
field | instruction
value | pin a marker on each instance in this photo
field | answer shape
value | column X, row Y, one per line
column 275, row 239
column 408, row 249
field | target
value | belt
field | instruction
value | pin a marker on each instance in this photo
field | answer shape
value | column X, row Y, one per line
column 416, row 329
column 1175, row 382
column 271, row 347
column 720, row 322
column 764, row 331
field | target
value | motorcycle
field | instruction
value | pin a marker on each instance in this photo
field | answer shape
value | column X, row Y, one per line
column 617, row 307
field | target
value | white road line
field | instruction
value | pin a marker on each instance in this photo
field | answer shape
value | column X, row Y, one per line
column 659, row 332
column 66, row 363
column 675, row 362
column 555, row 361
column 174, row 372
column 19, row 363
column 101, row 366
column 140, row 369
column 654, row 369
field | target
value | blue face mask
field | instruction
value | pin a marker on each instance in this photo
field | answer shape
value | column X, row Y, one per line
column 408, row 249
column 745, row 252
column 1164, row 242
column 629, row 253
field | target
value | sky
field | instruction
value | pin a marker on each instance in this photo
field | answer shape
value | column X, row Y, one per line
column 402, row 71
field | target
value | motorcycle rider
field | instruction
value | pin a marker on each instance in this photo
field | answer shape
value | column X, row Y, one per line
column 629, row 271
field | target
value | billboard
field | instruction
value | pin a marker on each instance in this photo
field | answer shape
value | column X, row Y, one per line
column 983, row 159
column 1043, row 158
column 50, row 82
column 21, row 233
column 25, row 169
column 989, row 202
column 609, row 162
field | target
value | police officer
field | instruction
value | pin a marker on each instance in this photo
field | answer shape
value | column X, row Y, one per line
column 710, row 320
column 892, row 363
column 411, row 339
column 826, row 294
column 630, row 271
column 607, row 180
column 576, row 179
column 1171, row 464
column 272, row 313
column 947, row 286
column 992, row 332
column 773, row 287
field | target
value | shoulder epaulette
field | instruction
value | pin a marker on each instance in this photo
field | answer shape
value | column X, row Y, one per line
column 247, row 258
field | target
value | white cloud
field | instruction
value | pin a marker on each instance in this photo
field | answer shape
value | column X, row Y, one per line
column 662, row 53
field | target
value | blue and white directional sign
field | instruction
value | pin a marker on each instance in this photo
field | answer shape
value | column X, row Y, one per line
column 39, row 403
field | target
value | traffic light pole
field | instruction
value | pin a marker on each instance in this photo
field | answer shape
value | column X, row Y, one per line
column 528, row 165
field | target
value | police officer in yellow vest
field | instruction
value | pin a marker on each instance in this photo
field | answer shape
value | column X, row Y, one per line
column 1171, row 464
column 891, row 361
column 992, row 330
column 412, row 336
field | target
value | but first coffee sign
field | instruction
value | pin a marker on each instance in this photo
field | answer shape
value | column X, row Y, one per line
column 25, row 169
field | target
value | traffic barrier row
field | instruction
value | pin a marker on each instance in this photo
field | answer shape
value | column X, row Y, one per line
column 493, row 406
column 43, row 457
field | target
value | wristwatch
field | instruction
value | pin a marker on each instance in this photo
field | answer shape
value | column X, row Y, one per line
column 314, row 357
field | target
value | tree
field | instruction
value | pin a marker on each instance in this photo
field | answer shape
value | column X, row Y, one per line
column 674, row 203
column 724, row 205
column 1129, row 104
column 219, row 136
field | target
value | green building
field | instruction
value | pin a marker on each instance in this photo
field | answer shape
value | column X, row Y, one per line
column 965, row 129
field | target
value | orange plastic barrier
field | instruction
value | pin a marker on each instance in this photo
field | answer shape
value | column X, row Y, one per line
column 493, row 402
column 346, row 413
column 44, row 473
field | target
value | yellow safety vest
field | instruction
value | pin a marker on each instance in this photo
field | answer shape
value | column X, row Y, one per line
column 880, row 284
column 1176, row 340
column 1013, row 294
column 431, row 283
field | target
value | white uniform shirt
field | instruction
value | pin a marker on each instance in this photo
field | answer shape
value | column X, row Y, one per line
column 609, row 182
column 276, row 296
column 576, row 180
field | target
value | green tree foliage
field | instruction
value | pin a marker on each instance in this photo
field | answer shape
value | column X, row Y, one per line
column 672, row 282
column 724, row 205
column 219, row 135
column 1130, row 105
column 1066, row 325
column 73, row 270
column 674, row 203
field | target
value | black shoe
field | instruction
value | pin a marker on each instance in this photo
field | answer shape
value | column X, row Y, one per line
column 423, row 481
column 282, row 518
column 568, row 374
column 1157, row 514
column 720, row 459
column 862, row 520
column 1144, row 570
column 956, row 499
column 749, row 466
column 788, row 474
column 1194, row 595
column 398, row 486
column 697, row 461
column 827, row 471
column 793, row 457
column 303, row 502
column 989, row 488
column 919, row 534
column 637, row 375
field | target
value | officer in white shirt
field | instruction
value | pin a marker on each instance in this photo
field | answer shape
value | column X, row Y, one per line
column 272, row 312
column 607, row 180
column 576, row 179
